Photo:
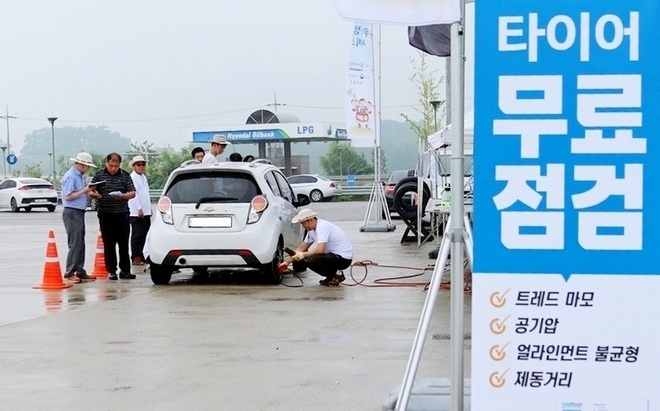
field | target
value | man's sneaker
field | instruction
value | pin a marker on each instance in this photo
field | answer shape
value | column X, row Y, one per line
column 86, row 277
column 112, row 276
column 127, row 276
column 72, row 279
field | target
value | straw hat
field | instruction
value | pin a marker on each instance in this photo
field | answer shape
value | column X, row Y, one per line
column 84, row 159
column 303, row 215
column 137, row 159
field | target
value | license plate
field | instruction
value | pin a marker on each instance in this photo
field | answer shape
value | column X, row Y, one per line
column 209, row 222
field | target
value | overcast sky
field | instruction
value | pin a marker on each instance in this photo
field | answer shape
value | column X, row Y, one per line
column 150, row 68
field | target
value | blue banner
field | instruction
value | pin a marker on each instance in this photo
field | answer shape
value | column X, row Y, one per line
column 567, row 137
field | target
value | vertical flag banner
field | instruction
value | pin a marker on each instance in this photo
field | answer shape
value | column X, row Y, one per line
column 360, row 97
column 567, row 210
column 406, row 12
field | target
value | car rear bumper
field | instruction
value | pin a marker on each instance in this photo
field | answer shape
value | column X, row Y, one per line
column 170, row 247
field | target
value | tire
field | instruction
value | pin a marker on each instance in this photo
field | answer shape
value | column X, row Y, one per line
column 160, row 274
column 28, row 208
column 269, row 270
column 13, row 205
column 316, row 196
column 405, row 208
column 51, row 209
column 200, row 270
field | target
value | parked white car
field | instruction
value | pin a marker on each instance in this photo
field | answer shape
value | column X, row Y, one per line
column 316, row 187
column 228, row 215
column 27, row 193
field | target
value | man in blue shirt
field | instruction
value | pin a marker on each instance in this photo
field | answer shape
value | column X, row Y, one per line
column 74, row 200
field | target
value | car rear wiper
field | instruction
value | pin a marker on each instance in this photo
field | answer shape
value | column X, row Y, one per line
column 214, row 200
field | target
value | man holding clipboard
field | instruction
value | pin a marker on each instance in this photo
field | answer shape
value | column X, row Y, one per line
column 74, row 200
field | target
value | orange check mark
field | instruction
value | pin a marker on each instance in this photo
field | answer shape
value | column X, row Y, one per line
column 498, row 300
column 497, row 380
column 497, row 326
column 498, row 353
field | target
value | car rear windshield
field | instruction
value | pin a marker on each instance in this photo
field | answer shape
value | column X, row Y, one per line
column 189, row 188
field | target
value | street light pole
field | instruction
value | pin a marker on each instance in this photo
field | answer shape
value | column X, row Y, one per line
column 50, row 161
column 7, row 117
column 52, row 133
column 4, row 159
column 435, row 104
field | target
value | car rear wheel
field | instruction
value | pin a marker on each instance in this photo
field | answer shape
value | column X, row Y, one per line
column 200, row 270
column 160, row 274
column 28, row 208
column 316, row 196
column 13, row 205
column 270, row 270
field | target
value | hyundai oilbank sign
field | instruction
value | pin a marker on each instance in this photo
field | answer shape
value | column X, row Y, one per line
column 280, row 131
column 566, row 212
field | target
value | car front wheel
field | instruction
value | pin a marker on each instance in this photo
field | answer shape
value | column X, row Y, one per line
column 51, row 208
column 160, row 274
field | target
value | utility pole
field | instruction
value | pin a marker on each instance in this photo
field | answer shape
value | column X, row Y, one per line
column 7, row 117
column 275, row 103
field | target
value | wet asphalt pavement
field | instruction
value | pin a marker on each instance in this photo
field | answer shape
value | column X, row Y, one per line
column 224, row 341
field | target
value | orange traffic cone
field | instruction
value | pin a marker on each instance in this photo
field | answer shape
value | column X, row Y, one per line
column 99, row 259
column 52, row 279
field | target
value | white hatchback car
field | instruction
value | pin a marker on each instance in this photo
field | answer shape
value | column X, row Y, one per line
column 229, row 215
column 317, row 187
column 27, row 193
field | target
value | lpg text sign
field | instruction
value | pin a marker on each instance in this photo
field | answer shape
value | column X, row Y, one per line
column 566, row 232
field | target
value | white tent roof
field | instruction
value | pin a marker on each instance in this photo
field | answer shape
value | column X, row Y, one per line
column 442, row 138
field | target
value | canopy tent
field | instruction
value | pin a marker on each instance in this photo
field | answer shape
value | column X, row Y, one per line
column 443, row 138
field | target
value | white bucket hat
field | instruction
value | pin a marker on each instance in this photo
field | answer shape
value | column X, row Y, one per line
column 303, row 215
column 84, row 159
column 137, row 159
column 220, row 139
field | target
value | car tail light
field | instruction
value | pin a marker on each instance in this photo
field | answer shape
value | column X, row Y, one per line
column 389, row 190
column 332, row 184
column 165, row 208
column 257, row 206
column 25, row 188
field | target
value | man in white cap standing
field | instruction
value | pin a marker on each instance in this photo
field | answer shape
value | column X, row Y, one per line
column 218, row 145
column 332, row 251
column 139, row 208
column 74, row 199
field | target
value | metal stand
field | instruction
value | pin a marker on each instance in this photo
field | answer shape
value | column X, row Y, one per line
column 434, row 288
column 376, row 207
column 453, row 239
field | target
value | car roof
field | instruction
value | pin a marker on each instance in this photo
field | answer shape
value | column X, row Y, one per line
column 225, row 165
column 30, row 180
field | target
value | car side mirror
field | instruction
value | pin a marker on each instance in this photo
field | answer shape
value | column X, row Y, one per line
column 301, row 200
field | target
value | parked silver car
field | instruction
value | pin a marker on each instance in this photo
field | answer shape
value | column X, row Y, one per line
column 317, row 187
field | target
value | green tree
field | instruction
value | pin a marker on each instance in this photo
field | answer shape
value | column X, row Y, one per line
column 342, row 159
column 160, row 168
column 427, row 83
column 69, row 141
column 33, row 171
